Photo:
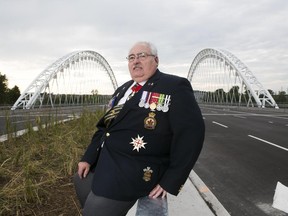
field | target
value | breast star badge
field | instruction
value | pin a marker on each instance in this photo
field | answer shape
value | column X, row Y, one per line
column 138, row 143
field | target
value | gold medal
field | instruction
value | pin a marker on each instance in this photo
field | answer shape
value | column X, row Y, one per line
column 153, row 106
column 147, row 174
column 150, row 121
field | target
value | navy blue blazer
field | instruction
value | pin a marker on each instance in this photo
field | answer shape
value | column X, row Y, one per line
column 137, row 152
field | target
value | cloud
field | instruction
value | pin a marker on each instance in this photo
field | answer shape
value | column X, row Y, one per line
column 35, row 33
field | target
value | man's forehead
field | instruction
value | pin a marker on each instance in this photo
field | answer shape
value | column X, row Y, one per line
column 138, row 49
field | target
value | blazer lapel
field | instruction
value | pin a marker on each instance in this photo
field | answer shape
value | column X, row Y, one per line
column 122, row 91
column 118, row 95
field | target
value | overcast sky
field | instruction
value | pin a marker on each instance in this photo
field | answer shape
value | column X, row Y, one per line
column 35, row 33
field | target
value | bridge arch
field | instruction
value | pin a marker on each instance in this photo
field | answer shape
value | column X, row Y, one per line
column 225, row 67
column 52, row 74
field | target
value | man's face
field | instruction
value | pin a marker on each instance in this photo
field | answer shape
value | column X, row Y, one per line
column 142, row 68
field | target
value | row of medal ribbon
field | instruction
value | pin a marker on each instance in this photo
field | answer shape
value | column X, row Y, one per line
column 155, row 101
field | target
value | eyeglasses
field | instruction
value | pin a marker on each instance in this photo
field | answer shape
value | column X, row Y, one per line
column 141, row 56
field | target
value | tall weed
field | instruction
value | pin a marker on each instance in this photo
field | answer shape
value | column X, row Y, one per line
column 32, row 163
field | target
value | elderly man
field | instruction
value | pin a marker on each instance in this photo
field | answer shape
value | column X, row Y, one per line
column 149, row 139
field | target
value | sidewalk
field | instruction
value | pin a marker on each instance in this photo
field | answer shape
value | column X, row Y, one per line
column 195, row 199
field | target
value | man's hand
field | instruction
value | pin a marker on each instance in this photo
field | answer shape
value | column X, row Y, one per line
column 157, row 191
column 83, row 169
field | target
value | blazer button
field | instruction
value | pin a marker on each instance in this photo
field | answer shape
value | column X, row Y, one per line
column 107, row 134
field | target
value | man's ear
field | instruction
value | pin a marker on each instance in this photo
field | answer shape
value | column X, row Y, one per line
column 157, row 59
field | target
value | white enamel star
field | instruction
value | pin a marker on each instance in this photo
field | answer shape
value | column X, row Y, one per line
column 138, row 143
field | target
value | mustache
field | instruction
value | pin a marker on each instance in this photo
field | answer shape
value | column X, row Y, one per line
column 137, row 66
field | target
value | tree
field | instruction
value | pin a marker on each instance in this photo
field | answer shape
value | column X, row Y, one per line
column 281, row 97
column 7, row 96
column 13, row 94
column 271, row 92
column 233, row 94
column 220, row 94
column 3, row 88
column 94, row 92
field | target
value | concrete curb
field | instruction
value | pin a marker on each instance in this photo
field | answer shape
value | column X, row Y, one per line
column 213, row 203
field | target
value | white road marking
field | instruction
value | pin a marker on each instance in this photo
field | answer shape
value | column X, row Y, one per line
column 270, row 143
column 239, row 116
column 220, row 124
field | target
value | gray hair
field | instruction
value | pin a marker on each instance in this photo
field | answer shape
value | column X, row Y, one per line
column 151, row 46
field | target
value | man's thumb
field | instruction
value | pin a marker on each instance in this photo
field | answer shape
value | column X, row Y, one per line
column 86, row 171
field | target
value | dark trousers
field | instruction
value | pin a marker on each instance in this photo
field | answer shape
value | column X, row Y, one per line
column 95, row 205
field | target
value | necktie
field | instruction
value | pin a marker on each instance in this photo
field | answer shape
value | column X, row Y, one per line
column 134, row 89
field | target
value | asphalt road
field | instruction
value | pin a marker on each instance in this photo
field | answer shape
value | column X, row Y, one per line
column 12, row 121
column 245, row 154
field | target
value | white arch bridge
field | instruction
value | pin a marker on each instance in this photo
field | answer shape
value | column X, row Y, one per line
column 85, row 77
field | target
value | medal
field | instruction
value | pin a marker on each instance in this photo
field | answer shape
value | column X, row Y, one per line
column 143, row 99
column 154, row 100
column 147, row 174
column 153, row 106
column 141, row 103
column 138, row 143
column 160, row 101
column 147, row 101
column 165, row 107
column 150, row 121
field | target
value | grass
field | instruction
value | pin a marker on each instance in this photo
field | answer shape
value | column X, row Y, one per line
column 38, row 165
